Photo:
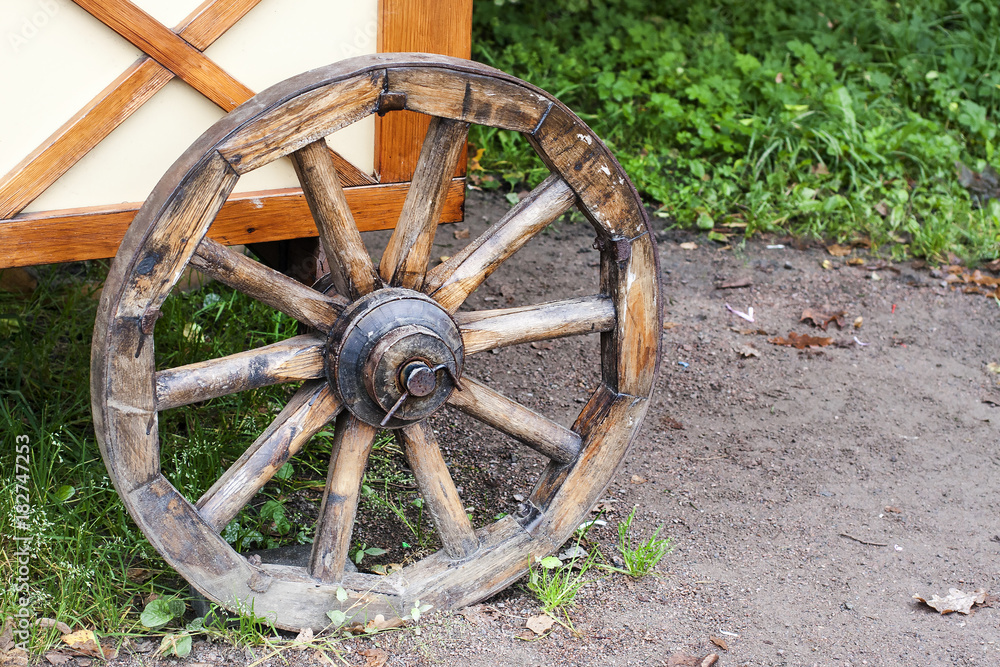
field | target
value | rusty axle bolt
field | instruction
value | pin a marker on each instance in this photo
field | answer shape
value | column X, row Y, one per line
column 420, row 379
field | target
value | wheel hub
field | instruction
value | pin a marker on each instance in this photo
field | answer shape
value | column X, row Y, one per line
column 394, row 357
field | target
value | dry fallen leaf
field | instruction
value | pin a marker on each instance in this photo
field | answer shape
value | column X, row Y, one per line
column 822, row 318
column 748, row 351
column 956, row 600
column 374, row 657
column 669, row 325
column 688, row 245
column 685, row 660
column 10, row 654
column 858, row 321
column 305, row 635
column 374, row 625
column 801, row 341
column 826, row 264
column 460, row 233
column 85, row 642
column 670, row 422
column 138, row 575
column 893, row 509
column 720, row 642
column 475, row 615
column 638, row 479
column 57, row 658
column 18, row 281
column 838, row 250
column 735, row 283
column 539, row 624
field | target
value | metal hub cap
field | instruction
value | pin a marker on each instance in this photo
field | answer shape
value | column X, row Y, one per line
column 394, row 356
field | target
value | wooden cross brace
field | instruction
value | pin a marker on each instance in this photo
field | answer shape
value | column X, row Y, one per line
column 169, row 53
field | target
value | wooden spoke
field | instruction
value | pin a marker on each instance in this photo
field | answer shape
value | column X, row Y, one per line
column 267, row 285
column 350, row 266
column 453, row 281
column 489, row 329
column 312, row 407
column 438, row 490
column 353, row 440
column 540, row 433
column 298, row 358
column 404, row 261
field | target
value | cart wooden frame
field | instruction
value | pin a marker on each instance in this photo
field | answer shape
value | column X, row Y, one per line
column 396, row 319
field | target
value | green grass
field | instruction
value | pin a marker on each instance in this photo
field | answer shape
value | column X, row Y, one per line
column 840, row 120
column 89, row 563
column 640, row 556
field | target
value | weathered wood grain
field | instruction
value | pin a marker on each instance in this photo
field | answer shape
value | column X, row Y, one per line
column 310, row 409
column 351, row 267
column 268, row 286
column 438, row 490
column 540, row 433
column 352, row 443
column 252, row 217
column 505, row 552
column 580, row 487
column 452, row 281
column 404, row 261
column 298, row 358
column 590, row 419
column 572, row 150
column 195, row 549
column 490, row 329
column 305, row 118
column 630, row 350
column 470, row 98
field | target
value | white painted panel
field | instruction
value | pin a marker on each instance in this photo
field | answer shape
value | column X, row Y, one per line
column 170, row 13
column 282, row 38
column 277, row 39
column 54, row 58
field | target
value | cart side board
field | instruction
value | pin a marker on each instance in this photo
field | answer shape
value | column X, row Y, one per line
column 436, row 26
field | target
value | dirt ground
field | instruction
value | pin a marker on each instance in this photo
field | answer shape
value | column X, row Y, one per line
column 809, row 493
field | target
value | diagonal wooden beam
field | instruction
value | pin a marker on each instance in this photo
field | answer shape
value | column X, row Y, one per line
column 186, row 62
column 113, row 105
column 109, row 109
column 170, row 50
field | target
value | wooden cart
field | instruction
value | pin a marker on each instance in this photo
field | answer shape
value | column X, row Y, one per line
column 387, row 343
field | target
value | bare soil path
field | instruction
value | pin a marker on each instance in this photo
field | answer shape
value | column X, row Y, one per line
column 809, row 493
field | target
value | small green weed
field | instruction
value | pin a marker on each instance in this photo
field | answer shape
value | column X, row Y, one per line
column 364, row 550
column 555, row 584
column 640, row 558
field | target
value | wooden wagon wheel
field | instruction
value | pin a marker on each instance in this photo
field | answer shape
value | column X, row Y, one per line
column 389, row 344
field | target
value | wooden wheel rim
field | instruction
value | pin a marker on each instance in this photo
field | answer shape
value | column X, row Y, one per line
column 173, row 222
